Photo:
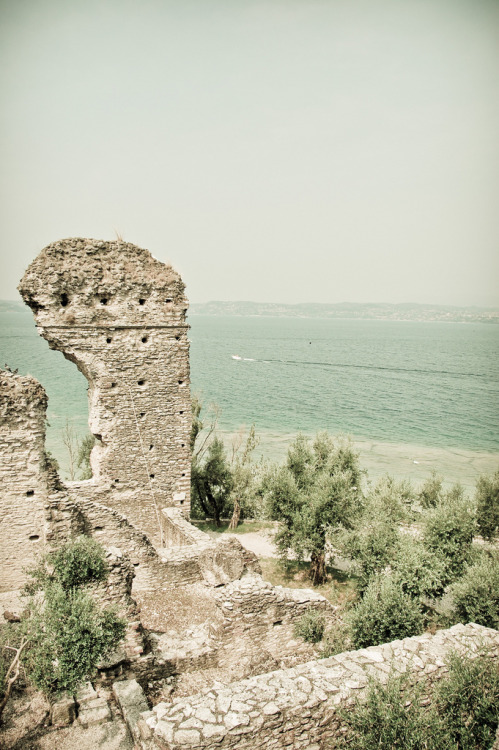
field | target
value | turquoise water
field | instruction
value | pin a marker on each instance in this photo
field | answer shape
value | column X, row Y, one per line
column 433, row 385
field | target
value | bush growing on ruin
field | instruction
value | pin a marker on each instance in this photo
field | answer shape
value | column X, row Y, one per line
column 67, row 636
column 466, row 701
column 448, row 531
column 63, row 633
column 310, row 626
column 487, row 501
column 390, row 716
column 317, row 490
column 79, row 561
column 462, row 715
column 336, row 640
column 384, row 614
column 476, row 594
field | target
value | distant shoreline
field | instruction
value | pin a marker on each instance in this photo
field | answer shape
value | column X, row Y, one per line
column 403, row 312
column 349, row 311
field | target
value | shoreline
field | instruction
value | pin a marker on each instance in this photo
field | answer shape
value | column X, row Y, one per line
column 400, row 460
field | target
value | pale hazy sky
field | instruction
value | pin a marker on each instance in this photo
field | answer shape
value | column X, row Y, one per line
column 271, row 150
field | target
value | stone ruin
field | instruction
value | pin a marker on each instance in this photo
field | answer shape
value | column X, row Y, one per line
column 213, row 640
column 119, row 315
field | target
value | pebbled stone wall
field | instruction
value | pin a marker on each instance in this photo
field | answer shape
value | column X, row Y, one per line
column 119, row 315
column 24, row 476
column 297, row 708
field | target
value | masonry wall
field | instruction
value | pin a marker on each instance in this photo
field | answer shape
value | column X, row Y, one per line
column 119, row 315
column 297, row 708
column 24, row 478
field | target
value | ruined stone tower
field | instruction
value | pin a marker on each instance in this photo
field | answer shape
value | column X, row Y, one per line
column 23, row 404
column 119, row 315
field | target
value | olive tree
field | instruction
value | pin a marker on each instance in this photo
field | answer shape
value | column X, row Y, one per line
column 313, row 493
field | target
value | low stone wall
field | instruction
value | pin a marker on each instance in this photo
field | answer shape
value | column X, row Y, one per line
column 259, row 623
column 177, row 531
column 191, row 555
column 297, row 707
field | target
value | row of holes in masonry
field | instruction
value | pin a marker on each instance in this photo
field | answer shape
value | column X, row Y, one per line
column 104, row 300
column 144, row 339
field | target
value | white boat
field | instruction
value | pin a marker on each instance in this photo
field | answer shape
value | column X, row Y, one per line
column 236, row 356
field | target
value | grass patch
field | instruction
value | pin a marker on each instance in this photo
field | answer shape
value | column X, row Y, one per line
column 340, row 588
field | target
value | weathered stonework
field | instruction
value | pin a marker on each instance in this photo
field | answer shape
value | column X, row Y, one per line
column 298, row 707
column 24, row 475
column 119, row 315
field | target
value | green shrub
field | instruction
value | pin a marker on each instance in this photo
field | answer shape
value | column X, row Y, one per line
column 419, row 571
column 487, row 500
column 310, row 626
column 463, row 714
column 68, row 635
column 384, row 614
column 371, row 545
column 336, row 640
column 390, row 716
column 431, row 492
column 78, row 562
column 476, row 594
column 448, row 531
column 467, row 701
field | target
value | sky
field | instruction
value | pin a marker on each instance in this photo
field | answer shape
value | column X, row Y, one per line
column 270, row 150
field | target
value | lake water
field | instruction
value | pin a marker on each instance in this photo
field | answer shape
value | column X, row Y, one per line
column 413, row 396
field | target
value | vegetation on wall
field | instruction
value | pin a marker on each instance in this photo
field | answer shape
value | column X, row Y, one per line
column 63, row 633
column 462, row 714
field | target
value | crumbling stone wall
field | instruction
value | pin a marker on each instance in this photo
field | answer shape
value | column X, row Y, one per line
column 298, row 707
column 119, row 315
column 24, row 476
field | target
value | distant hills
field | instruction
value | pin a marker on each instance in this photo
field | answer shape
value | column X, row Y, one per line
column 350, row 310
column 345, row 310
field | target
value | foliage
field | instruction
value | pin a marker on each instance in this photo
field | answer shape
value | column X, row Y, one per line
column 243, row 474
column 467, row 700
column 50, row 462
column 390, row 716
column 371, row 545
column 63, row 633
column 419, row 571
column 448, row 531
column 315, row 492
column 336, row 640
column 476, row 594
column 79, row 561
column 487, row 501
column 310, row 626
column 431, row 492
column 384, row 614
column 463, row 715
column 389, row 499
column 10, row 639
column 12, row 645
column 221, row 484
column 67, row 636
column 85, row 446
column 212, row 480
